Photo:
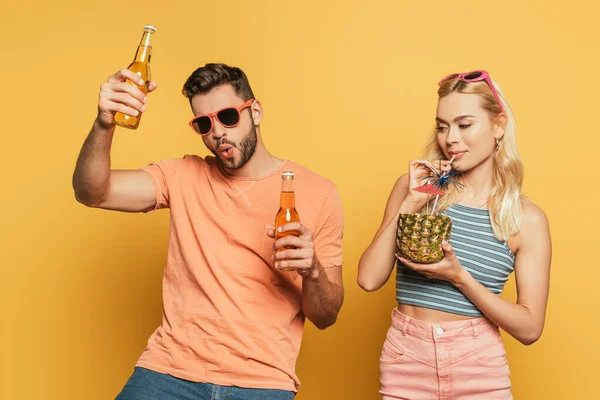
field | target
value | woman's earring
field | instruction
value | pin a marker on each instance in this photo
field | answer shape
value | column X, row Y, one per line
column 497, row 145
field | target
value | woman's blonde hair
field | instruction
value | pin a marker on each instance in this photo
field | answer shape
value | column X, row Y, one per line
column 504, row 202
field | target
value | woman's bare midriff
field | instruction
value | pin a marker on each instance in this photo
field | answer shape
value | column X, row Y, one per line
column 429, row 315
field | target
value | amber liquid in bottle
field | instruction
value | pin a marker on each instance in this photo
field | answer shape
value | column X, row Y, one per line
column 287, row 209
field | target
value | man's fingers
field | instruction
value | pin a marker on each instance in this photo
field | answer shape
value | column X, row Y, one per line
column 292, row 254
column 292, row 227
column 126, row 99
column 123, row 75
column 297, row 264
column 152, row 85
column 110, row 107
column 293, row 241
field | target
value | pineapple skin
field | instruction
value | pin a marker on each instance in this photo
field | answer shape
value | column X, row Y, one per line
column 419, row 237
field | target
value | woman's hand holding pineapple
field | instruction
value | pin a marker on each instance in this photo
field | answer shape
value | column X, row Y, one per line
column 449, row 269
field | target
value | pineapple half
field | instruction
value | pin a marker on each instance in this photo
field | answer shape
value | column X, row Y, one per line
column 419, row 237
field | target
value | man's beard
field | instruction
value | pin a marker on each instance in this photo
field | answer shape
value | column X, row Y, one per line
column 247, row 147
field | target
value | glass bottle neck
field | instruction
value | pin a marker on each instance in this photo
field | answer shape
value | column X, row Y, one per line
column 144, row 50
column 287, row 185
column 287, row 194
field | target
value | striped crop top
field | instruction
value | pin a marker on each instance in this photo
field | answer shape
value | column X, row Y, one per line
column 489, row 260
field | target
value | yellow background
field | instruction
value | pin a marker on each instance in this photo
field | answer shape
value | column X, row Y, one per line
column 349, row 90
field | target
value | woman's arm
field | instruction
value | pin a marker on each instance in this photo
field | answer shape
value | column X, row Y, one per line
column 377, row 262
column 525, row 319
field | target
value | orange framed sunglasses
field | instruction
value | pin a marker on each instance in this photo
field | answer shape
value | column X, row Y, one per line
column 229, row 117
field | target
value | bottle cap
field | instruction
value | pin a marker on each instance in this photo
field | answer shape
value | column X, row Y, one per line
column 153, row 29
column 287, row 174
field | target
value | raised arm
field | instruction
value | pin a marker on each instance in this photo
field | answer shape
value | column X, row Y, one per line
column 377, row 262
column 94, row 183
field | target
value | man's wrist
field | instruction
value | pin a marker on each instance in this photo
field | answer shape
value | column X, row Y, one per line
column 314, row 273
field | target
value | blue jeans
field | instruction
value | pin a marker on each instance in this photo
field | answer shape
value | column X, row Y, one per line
column 145, row 384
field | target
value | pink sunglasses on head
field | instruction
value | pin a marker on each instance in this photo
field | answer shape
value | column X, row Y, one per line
column 475, row 76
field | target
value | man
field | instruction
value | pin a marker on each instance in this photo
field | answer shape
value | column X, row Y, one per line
column 232, row 321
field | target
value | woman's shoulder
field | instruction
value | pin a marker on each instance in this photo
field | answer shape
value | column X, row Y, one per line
column 534, row 224
column 532, row 215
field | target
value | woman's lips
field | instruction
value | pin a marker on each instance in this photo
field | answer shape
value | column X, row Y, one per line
column 458, row 154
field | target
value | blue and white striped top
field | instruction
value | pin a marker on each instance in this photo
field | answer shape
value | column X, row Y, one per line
column 489, row 260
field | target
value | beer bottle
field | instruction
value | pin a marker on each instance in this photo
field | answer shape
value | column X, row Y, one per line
column 287, row 209
column 141, row 66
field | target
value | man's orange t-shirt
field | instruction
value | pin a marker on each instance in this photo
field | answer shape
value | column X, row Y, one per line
column 229, row 317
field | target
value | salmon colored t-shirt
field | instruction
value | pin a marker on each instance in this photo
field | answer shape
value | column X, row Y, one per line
column 231, row 318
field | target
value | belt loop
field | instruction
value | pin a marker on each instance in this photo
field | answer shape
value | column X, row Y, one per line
column 405, row 325
column 475, row 329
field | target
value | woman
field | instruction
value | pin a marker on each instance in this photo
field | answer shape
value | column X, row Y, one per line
column 444, row 340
